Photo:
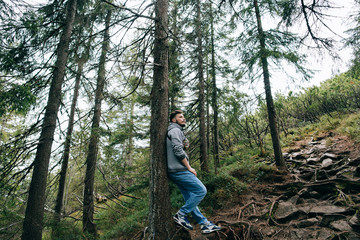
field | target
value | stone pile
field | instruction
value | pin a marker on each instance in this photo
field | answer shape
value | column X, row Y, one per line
column 320, row 200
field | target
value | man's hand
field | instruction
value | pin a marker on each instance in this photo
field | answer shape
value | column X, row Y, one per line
column 187, row 165
column 193, row 171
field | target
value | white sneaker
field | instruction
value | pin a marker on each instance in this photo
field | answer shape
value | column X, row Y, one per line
column 182, row 221
column 209, row 227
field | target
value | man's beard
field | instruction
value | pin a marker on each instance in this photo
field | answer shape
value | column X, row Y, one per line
column 182, row 125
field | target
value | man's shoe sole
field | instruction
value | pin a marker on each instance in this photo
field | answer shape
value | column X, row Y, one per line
column 179, row 223
column 209, row 231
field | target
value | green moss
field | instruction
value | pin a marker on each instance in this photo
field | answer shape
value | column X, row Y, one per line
column 222, row 189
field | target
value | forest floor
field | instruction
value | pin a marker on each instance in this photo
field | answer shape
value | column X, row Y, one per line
column 318, row 199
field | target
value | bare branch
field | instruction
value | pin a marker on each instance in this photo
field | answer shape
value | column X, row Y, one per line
column 130, row 10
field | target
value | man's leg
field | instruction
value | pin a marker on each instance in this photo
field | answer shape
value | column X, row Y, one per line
column 193, row 191
column 196, row 214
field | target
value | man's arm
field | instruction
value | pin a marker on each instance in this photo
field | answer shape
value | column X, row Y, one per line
column 187, row 165
column 177, row 144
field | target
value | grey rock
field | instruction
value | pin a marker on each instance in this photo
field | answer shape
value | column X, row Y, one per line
column 294, row 199
column 340, row 225
column 327, row 209
column 321, row 147
column 301, row 234
column 286, row 211
column 323, row 233
column 329, row 155
column 349, row 236
column 307, row 222
column 328, row 218
column 312, row 161
column 327, row 163
column 297, row 155
column 322, row 175
column 269, row 231
column 355, row 223
column 306, row 208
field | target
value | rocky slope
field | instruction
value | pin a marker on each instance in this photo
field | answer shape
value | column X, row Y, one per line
column 318, row 199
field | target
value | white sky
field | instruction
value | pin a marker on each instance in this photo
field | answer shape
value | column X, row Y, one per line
column 324, row 65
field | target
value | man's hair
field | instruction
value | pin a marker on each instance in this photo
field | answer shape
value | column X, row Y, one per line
column 174, row 113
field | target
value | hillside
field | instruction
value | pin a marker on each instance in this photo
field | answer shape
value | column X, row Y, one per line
column 318, row 199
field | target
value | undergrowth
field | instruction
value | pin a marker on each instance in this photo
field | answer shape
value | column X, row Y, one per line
column 124, row 217
column 238, row 171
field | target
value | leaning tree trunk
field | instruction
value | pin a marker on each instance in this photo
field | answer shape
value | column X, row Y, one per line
column 174, row 62
column 214, row 94
column 202, row 130
column 160, row 221
column 130, row 144
column 67, row 144
column 280, row 162
column 34, row 214
column 88, row 209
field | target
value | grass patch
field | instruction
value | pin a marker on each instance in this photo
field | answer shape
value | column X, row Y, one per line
column 221, row 189
column 124, row 217
column 66, row 229
column 350, row 126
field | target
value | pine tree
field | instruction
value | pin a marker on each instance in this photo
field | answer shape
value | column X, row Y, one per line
column 260, row 48
column 280, row 162
column 80, row 60
column 214, row 99
column 32, row 227
column 200, row 71
column 161, row 225
column 89, row 225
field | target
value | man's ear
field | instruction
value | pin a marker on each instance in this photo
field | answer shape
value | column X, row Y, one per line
column 173, row 120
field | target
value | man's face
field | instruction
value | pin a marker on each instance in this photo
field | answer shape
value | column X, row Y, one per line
column 179, row 119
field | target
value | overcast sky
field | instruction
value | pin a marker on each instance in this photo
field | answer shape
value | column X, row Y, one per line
column 325, row 67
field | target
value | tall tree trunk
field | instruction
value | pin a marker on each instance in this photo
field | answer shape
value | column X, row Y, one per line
column 67, row 144
column 208, row 122
column 280, row 162
column 88, row 208
column 34, row 214
column 214, row 94
column 130, row 145
column 174, row 63
column 207, row 94
column 202, row 130
column 161, row 224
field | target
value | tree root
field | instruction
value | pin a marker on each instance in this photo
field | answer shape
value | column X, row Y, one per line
column 271, row 221
column 252, row 203
column 239, row 230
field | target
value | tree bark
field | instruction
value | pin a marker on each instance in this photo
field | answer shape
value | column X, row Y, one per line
column 174, row 63
column 34, row 214
column 161, row 224
column 67, row 144
column 280, row 162
column 130, row 144
column 88, row 209
column 214, row 94
column 202, row 130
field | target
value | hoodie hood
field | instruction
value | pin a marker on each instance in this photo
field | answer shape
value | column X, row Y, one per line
column 175, row 125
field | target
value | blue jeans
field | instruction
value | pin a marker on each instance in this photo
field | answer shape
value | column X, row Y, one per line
column 193, row 191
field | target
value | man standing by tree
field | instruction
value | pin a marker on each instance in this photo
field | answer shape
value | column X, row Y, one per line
column 184, row 176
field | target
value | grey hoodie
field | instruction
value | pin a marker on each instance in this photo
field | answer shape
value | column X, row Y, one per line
column 175, row 148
